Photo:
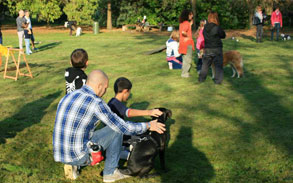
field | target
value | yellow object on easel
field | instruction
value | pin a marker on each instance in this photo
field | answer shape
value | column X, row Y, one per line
column 10, row 53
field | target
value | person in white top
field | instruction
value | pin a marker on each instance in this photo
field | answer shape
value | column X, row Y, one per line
column 28, row 21
column 174, row 58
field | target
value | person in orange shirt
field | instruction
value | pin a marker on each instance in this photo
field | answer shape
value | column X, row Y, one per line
column 186, row 43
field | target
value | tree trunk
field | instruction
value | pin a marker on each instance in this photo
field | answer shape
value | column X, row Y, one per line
column 109, row 16
column 193, row 5
column 250, row 5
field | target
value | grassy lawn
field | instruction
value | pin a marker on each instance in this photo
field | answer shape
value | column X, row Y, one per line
column 240, row 131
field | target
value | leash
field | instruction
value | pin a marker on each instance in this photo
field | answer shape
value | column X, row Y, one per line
column 136, row 139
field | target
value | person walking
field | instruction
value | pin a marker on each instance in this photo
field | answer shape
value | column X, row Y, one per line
column 20, row 23
column 213, row 49
column 186, row 43
column 277, row 23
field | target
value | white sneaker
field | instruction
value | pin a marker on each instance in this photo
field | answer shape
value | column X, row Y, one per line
column 71, row 172
column 117, row 175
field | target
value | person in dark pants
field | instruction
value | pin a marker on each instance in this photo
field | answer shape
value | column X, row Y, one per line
column 258, row 22
column 213, row 52
column 71, row 26
column 277, row 23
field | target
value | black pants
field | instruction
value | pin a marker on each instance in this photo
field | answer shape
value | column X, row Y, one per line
column 259, row 32
column 212, row 56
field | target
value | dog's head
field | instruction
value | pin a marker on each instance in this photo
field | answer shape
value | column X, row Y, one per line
column 165, row 116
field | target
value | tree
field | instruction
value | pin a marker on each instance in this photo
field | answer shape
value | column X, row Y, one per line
column 193, row 5
column 109, row 15
column 44, row 10
column 81, row 11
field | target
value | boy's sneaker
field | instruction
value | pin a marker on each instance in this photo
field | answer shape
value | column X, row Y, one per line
column 71, row 172
column 117, row 175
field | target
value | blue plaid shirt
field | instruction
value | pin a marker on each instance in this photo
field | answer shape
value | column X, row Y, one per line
column 77, row 115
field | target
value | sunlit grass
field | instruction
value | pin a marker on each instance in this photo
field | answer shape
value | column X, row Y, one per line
column 240, row 131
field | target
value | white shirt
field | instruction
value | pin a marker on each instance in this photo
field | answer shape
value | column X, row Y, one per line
column 172, row 48
column 28, row 20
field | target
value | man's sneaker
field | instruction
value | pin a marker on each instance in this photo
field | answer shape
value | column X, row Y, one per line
column 117, row 175
column 71, row 172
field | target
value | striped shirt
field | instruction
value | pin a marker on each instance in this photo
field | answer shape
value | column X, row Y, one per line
column 76, row 118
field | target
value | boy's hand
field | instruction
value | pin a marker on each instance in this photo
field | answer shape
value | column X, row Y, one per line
column 157, row 127
column 155, row 112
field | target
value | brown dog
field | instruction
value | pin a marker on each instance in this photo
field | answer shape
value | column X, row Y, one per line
column 233, row 58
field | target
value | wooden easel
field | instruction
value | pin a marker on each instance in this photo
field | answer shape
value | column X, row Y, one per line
column 17, row 63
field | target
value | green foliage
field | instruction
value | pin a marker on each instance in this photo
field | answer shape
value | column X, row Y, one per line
column 44, row 10
column 81, row 11
column 165, row 11
column 232, row 14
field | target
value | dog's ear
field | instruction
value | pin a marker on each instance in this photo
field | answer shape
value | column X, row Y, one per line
column 169, row 113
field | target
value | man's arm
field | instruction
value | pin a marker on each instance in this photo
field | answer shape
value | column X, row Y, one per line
column 105, row 114
column 136, row 112
column 221, row 33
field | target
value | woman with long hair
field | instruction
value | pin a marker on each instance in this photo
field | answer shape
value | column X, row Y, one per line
column 186, row 44
column 213, row 49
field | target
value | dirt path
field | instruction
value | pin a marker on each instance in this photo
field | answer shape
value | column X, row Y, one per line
column 9, row 29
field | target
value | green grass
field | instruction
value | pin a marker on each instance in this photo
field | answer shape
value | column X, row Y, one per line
column 240, row 131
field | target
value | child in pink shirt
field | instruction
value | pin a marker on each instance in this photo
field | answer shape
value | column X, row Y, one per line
column 200, row 44
column 277, row 23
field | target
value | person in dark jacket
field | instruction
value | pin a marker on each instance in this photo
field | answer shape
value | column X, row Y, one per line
column 213, row 51
column 258, row 21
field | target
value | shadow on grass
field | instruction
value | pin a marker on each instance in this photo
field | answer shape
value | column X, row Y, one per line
column 49, row 46
column 273, row 120
column 186, row 163
column 31, row 65
column 27, row 116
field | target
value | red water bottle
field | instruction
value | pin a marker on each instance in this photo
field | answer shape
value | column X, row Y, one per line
column 96, row 154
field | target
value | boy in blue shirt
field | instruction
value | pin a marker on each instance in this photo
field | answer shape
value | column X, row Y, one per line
column 122, row 89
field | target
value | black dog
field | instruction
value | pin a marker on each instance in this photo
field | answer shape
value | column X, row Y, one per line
column 146, row 147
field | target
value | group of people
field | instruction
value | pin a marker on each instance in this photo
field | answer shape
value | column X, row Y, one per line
column 79, row 113
column 209, row 46
column 276, row 23
column 25, row 31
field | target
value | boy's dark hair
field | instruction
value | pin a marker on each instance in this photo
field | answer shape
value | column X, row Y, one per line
column 121, row 84
column 184, row 16
column 79, row 57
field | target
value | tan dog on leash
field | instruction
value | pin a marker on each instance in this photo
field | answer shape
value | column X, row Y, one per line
column 233, row 58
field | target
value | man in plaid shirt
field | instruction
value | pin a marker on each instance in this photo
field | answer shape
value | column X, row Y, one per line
column 76, row 119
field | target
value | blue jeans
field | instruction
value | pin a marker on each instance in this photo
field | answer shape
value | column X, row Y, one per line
column 199, row 61
column 277, row 28
column 111, row 141
column 27, row 46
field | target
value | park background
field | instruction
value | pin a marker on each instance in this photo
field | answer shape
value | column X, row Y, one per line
column 240, row 131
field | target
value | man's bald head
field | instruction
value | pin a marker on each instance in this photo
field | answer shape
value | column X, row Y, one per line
column 98, row 81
